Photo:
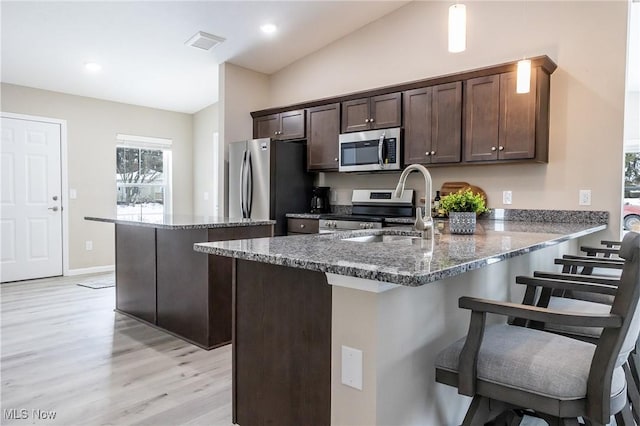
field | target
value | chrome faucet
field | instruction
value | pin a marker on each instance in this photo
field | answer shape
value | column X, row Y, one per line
column 423, row 223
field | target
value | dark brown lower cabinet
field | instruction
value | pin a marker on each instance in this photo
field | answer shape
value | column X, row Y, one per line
column 136, row 271
column 163, row 281
column 281, row 346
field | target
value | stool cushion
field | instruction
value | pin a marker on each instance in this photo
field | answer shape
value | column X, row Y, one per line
column 533, row 361
column 574, row 305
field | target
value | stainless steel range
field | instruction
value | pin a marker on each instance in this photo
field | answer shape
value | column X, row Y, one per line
column 370, row 208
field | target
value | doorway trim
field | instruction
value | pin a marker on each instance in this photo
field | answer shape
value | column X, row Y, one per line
column 63, row 174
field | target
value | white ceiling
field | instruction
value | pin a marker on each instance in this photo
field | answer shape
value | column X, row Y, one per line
column 140, row 45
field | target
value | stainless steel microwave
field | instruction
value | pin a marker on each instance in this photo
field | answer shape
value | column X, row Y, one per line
column 370, row 151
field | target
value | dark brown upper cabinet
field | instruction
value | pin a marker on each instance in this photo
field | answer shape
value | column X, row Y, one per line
column 322, row 137
column 283, row 126
column 376, row 112
column 432, row 124
column 501, row 124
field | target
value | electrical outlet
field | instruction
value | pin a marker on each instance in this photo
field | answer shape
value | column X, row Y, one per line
column 334, row 196
column 205, row 196
column 73, row 194
column 88, row 245
column 506, row 197
column 584, row 198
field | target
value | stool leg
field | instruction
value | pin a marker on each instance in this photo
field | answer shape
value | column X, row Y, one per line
column 624, row 417
column 632, row 392
column 478, row 412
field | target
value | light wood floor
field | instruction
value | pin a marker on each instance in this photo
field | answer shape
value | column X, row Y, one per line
column 64, row 349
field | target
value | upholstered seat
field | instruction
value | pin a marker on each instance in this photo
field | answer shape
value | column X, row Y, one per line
column 535, row 361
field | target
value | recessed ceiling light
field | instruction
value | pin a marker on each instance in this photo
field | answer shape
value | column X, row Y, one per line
column 268, row 28
column 92, row 66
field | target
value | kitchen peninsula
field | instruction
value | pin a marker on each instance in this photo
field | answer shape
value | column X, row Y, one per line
column 350, row 322
column 160, row 279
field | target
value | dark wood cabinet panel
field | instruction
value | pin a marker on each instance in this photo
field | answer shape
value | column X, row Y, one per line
column 446, row 136
column 283, row 126
column 517, row 119
column 160, row 279
column 482, row 115
column 377, row 112
column 282, row 363
column 267, row 126
column 432, row 124
column 136, row 271
column 501, row 124
column 303, row 226
column 322, row 137
column 183, row 286
column 355, row 115
column 417, row 125
column 386, row 111
column 292, row 125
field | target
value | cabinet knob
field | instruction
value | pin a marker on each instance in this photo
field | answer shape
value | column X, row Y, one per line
column 493, row 148
column 433, row 153
column 335, row 159
column 427, row 153
column 302, row 225
column 371, row 120
column 501, row 148
column 366, row 120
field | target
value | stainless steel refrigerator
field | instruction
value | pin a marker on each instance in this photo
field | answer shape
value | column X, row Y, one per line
column 268, row 179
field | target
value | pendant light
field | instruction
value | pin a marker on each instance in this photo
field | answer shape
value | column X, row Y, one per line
column 523, row 77
column 457, row 28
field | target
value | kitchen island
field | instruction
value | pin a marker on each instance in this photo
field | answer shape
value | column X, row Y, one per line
column 160, row 279
column 350, row 323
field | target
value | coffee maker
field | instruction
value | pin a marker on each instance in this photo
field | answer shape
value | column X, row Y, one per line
column 320, row 199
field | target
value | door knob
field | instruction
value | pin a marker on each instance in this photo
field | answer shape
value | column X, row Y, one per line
column 54, row 198
column 54, row 208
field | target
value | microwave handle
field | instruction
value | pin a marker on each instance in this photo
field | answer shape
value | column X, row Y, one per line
column 380, row 146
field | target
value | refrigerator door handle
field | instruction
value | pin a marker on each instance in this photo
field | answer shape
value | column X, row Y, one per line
column 243, row 184
column 249, row 185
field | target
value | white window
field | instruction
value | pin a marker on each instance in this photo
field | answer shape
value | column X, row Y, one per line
column 143, row 175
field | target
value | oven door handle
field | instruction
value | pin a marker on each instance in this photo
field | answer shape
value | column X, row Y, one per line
column 380, row 146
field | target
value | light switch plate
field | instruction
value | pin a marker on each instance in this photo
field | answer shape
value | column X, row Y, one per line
column 205, row 196
column 73, row 194
column 352, row 367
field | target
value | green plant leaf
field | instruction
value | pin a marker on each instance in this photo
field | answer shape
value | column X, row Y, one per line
column 463, row 201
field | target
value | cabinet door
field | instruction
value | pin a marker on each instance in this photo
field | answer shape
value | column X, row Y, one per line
column 386, row 111
column 355, row 115
column 482, row 115
column 322, row 141
column 446, row 129
column 292, row 125
column 417, row 125
column 267, row 126
column 517, row 119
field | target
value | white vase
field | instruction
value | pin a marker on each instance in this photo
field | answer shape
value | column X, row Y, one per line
column 462, row 222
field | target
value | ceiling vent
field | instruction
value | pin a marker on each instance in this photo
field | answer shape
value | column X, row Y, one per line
column 204, row 41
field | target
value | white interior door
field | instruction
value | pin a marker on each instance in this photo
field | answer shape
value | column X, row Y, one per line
column 31, row 207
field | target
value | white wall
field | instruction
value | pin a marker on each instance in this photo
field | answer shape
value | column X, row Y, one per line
column 241, row 91
column 205, row 126
column 92, row 126
column 586, row 39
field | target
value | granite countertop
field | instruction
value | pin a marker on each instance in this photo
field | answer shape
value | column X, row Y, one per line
column 406, row 262
column 180, row 221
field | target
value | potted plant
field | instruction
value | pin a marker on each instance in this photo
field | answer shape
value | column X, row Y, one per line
column 462, row 208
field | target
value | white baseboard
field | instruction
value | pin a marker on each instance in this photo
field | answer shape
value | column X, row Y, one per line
column 93, row 270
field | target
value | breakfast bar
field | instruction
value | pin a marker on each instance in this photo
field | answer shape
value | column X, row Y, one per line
column 350, row 322
column 160, row 280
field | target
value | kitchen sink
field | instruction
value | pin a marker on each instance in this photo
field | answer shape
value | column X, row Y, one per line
column 408, row 239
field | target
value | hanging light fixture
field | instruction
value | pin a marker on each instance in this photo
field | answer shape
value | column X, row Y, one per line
column 523, row 77
column 457, row 28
